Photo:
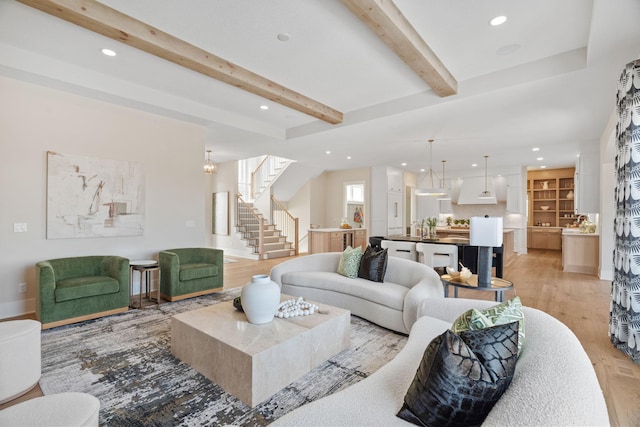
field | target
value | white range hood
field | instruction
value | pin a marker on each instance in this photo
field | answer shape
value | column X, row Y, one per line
column 471, row 189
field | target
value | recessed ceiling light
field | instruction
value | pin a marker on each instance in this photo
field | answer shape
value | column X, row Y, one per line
column 284, row 37
column 264, row 107
column 543, row 167
column 498, row 20
column 403, row 164
column 348, row 157
column 474, row 165
column 108, row 52
column 540, row 159
column 328, row 152
column 422, row 170
column 507, row 49
column 535, row 149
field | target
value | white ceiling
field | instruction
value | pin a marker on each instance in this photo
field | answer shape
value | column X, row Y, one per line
column 556, row 91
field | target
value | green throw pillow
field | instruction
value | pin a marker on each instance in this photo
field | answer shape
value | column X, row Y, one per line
column 506, row 312
column 350, row 262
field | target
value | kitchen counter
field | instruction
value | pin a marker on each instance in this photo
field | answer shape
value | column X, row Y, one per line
column 576, row 232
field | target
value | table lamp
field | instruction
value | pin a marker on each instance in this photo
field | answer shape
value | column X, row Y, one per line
column 486, row 233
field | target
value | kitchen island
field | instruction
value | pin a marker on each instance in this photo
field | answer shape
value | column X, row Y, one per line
column 507, row 239
column 467, row 254
column 580, row 252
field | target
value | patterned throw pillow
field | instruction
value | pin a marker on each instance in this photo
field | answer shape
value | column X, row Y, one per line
column 373, row 265
column 350, row 262
column 461, row 377
column 506, row 312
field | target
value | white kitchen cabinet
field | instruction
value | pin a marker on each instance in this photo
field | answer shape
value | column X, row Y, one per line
column 514, row 197
column 387, row 201
column 394, row 180
column 394, row 213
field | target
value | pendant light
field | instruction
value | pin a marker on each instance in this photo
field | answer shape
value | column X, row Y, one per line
column 486, row 194
column 209, row 166
column 431, row 190
column 443, row 185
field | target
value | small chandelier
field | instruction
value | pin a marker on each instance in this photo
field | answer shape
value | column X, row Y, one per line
column 209, row 166
column 431, row 190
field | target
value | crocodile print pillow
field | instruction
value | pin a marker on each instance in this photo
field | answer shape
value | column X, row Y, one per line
column 461, row 377
column 350, row 262
column 506, row 312
column 373, row 265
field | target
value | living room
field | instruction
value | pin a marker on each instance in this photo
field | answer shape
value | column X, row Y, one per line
column 68, row 111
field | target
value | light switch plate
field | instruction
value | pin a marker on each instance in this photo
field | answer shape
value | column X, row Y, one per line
column 20, row 227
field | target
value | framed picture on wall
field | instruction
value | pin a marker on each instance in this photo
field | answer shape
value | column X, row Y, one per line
column 220, row 213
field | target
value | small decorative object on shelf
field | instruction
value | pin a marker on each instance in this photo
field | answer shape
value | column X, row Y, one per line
column 237, row 303
column 260, row 299
column 296, row 307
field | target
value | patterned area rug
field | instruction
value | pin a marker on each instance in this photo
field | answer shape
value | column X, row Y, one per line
column 125, row 360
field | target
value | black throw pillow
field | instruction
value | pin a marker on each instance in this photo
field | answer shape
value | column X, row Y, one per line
column 461, row 377
column 373, row 264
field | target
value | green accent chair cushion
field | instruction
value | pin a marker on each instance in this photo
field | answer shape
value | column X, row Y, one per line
column 186, row 272
column 84, row 286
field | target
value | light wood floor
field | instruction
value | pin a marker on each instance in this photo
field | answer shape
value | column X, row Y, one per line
column 580, row 301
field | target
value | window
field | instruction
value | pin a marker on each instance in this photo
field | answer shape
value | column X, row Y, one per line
column 355, row 193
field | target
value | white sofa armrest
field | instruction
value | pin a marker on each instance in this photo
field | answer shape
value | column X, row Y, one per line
column 452, row 309
column 429, row 287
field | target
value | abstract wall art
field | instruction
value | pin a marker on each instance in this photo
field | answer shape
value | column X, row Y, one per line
column 92, row 197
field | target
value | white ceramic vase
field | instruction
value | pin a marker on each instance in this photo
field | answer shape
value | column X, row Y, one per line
column 260, row 299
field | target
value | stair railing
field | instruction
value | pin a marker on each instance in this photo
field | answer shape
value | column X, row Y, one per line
column 264, row 174
column 285, row 222
column 245, row 214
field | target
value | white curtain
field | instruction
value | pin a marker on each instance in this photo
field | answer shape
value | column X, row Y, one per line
column 624, row 323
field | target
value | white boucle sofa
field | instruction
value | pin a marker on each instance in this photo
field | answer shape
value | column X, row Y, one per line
column 554, row 382
column 392, row 304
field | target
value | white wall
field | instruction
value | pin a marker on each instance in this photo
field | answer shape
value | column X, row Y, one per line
column 334, row 200
column 299, row 207
column 607, row 200
column 34, row 120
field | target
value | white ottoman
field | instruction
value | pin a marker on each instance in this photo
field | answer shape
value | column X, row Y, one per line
column 55, row 410
column 19, row 357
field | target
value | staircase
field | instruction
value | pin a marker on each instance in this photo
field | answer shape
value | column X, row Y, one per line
column 251, row 226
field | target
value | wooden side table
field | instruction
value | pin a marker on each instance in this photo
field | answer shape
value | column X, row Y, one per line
column 145, row 267
column 497, row 285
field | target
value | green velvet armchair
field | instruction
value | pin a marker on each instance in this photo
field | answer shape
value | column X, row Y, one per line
column 190, row 272
column 80, row 288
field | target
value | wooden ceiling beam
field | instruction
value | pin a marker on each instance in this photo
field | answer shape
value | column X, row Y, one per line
column 104, row 20
column 385, row 19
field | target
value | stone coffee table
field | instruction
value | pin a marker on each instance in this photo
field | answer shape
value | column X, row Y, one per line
column 253, row 362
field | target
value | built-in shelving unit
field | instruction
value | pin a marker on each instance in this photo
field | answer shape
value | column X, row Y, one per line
column 551, row 197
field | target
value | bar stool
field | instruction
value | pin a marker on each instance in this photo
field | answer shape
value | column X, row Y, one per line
column 406, row 250
column 437, row 255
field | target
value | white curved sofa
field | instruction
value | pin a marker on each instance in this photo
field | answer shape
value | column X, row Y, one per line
column 392, row 304
column 554, row 383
